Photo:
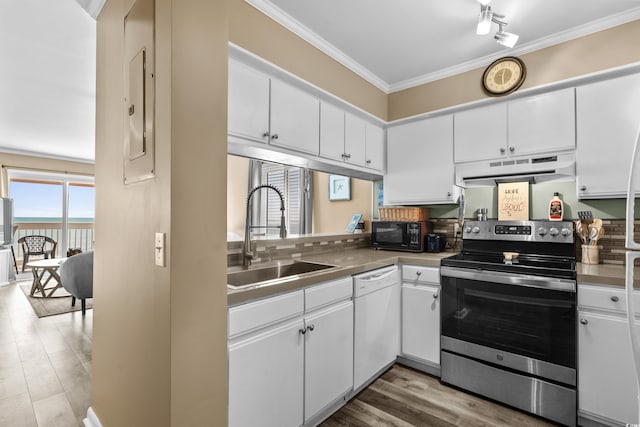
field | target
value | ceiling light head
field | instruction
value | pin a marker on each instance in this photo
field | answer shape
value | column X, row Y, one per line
column 506, row 38
column 484, row 20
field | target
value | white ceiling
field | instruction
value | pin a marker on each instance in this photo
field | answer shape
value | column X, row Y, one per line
column 47, row 79
column 397, row 44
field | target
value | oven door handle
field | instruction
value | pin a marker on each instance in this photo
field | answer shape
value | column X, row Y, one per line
column 564, row 285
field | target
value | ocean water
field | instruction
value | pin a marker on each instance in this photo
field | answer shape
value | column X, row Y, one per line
column 19, row 219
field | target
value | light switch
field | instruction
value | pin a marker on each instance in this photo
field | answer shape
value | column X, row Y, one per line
column 159, row 248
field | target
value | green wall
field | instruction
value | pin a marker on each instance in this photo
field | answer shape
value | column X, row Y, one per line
column 540, row 195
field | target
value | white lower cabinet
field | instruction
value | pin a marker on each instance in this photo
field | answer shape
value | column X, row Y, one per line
column 328, row 368
column 286, row 364
column 606, row 380
column 421, row 314
column 266, row 378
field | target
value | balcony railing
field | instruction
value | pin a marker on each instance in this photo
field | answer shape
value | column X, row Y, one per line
column 80, row 235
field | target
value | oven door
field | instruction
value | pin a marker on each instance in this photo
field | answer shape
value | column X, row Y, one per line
column 526, row 323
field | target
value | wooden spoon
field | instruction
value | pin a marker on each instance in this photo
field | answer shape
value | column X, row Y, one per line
column 580, row 231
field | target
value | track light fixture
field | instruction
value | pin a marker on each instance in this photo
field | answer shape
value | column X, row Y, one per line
column 487, row 17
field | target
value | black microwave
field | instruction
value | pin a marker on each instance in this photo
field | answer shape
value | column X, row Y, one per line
column 399, row 235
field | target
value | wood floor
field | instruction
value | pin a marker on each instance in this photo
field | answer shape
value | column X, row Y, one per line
column 45, row 364
column 403, row 397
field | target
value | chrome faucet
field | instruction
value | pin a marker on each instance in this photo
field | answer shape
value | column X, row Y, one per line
column 247, row 255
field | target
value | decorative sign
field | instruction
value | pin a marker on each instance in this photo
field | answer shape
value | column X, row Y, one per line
column 339, row 187
column 513, row 201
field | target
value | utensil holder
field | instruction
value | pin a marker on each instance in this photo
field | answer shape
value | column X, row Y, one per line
column 590, row 254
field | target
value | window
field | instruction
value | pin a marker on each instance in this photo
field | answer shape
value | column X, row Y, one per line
column 294, row 183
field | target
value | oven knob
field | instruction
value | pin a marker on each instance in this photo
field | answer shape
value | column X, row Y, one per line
column 475, row 230
column 467, row 229
column 554, row 231
column 542, row 231
column 565, row 232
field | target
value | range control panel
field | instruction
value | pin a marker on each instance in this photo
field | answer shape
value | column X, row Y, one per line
column 534, row 231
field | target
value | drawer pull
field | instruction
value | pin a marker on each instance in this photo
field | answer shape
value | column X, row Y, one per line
column 418, row 273
column 615, row 299
column 584, row 321
column 435, row 296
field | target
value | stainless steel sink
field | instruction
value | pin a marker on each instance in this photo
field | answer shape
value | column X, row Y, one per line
column 241, row 279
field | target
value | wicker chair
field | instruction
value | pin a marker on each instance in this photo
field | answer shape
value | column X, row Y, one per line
column 37, row 245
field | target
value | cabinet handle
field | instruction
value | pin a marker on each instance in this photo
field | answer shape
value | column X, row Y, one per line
column 512, row 149
column 265, row 135
column 435, row 296
column 274, row 136
column 584, row 321
column 502, row 151
column 448, row 193
column 615, row 299
column 348, row 156
column 583, row 188
column 418, row 273
column 311, row 327
column 368, row 162
column 303, row 331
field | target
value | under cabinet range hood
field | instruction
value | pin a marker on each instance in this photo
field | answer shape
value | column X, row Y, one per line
column 542, row 168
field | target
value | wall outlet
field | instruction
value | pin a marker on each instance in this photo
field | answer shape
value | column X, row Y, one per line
column 456, row 229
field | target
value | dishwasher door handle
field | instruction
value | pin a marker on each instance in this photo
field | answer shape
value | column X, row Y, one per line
column 378, row 276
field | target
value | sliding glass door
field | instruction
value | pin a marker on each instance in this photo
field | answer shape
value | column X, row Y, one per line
column 57, row 206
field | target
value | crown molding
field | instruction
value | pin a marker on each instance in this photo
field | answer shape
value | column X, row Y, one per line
column 551, row 40
column 315, row 40
column 44, row 155
column 323, row 45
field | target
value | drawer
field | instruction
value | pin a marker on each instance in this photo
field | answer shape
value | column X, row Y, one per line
column 605, row 298
column 327, row 293
column 254, row 315
column 415, row 274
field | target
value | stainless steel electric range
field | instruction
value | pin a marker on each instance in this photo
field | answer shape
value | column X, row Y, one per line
column 508, row 316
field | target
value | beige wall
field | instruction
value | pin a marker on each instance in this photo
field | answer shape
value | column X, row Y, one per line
column 159, row 334
column 596, row 52
column 251, row 29
column 333, row 216
column 8, row 161
column 237, row 187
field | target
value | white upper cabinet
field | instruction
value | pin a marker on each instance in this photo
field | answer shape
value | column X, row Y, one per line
column 481, row 133
column 354, row 139
column 331, row 131
column 295, row 118
column 608, row 115
column 350, row 139
column 248, row 114
column 542, row 123
column 420, row 162
column 533, row 125
column 375, row 147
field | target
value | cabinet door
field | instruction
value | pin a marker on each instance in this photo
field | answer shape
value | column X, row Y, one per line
column 295, row 118
column 420, row 162
column 607, row 124
column 375, row 147
column 542, row 123
column 421, row 322
column 606, row 379
column 248, row 102
column 266, row 378
column 481, row 133
column 331, row 131
column 354, row 139
column 328, row 356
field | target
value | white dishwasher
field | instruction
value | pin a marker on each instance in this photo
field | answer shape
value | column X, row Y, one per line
column 377, row 322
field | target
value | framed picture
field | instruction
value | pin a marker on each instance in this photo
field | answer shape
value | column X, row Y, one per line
column 339, row 187
column 513, row 201
column 353, row 223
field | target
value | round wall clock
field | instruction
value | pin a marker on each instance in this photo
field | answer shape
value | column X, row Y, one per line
column 504, row 76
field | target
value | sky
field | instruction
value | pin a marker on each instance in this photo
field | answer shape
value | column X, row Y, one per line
column 45, row 200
